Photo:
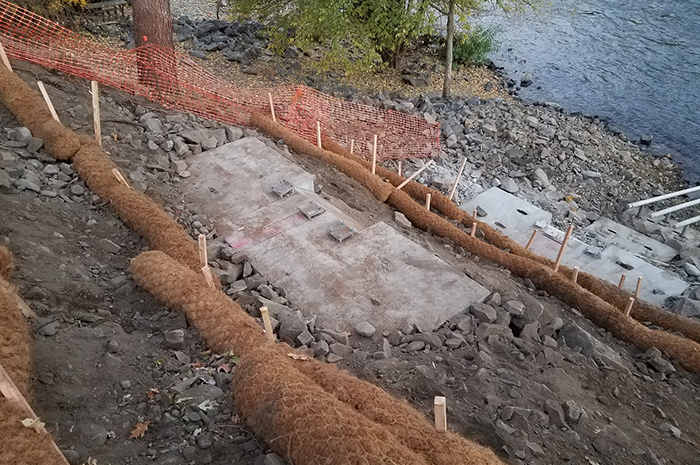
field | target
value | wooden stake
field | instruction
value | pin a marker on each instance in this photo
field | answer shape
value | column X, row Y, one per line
column 206, row 271
column 427, row 201
column 440, row 414
column 473, row 231
column 575, row 278
column 474, row 215
column 532, row 239
column 24, row 308
column 352, row 146
column 203, row 259
column 318, row 134
column 374, row 156
column 628, row 308
column 11, row 393
column 639, row 288
column 268, row 325
column 272, row 107
column 96, row 112
column 414, row 175
column 42, row 89
column 399, row 167
column 622, row 280
column 459, row 175
column 3, row 55
column 117, row 174
column 563, row 247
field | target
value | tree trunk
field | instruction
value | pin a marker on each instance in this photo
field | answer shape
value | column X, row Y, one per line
column 448, row 55
column 153, row 25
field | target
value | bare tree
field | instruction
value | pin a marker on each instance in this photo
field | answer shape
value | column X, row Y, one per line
column 448, row 58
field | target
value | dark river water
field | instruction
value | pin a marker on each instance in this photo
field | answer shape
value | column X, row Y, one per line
column 635, row 63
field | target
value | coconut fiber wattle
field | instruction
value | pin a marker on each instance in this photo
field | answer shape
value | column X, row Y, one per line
column 31, row 111
column 221, row 322
column 305, row 424
column 20, row 445
column 15, row 349
column 225, row 326
column 135, row 209
column 642, row 311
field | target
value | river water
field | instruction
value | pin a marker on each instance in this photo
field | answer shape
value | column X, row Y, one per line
column 635, row 63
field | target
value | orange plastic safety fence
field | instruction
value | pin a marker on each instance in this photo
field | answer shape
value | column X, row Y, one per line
column 175, row 81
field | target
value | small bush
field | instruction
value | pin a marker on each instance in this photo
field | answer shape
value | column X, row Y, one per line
column 473, row 46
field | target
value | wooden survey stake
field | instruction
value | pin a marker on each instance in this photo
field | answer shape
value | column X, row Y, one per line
column 440, row 414
column 563, row 247
column 459, row 175
column 473, row 231
column 45, row 94
column 268, row 324
column 120, row 177
column 9, row 390
column 352, row 146
column 3, row 55
column 575, row 277
column 203, row 259
column 427, row 201
column 622, row 280
column 639, row 288
column 272, row 107
column 96, row 112
column 374, row 156
column 318, row 134
column 532, row 239
column 399, row 167
column 414, row 175
column 628, row 308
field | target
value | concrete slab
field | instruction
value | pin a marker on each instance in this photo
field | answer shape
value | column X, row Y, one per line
column 625, row 254
column 613, row 233
column 510, row 215
column 335, row 281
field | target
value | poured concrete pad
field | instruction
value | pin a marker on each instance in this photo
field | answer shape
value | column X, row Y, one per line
column 613, row 233
column 517, row 219
column 334, row 280
column 508, row 214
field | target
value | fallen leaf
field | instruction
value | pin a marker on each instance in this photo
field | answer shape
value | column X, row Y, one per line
column 152, row 393
column 207, row 405
column 225, row 367
column 35, row 424
column 140, row 430
column 297, row 356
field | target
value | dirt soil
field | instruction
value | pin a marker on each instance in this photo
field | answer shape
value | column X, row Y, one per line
column 101, row 365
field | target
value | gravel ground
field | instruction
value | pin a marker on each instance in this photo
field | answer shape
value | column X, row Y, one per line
column 194, row 10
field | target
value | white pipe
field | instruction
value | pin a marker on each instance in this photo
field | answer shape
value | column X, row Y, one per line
column 692, row 220
column 675, row 208
column 663, row 197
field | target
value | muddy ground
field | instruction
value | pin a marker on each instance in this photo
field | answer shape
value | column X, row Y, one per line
column 102, row 364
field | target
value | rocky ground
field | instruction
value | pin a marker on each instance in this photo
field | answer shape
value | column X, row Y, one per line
column 523, row 373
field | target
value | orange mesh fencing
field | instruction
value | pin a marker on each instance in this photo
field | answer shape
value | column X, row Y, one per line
column 175, row 81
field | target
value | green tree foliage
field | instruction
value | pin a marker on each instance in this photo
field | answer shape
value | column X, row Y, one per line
column 353, row 35
column 472, row 47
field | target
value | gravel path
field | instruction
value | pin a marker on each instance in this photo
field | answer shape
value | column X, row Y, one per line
column 193, row 9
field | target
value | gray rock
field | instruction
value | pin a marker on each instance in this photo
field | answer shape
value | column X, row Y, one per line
column 365, row 329
column 333, row 358
column 209, row 144
column 51, row 170
column 175, row 339
column 5, row 182
column 203, row 393
column 686, row 307
column 291, row 326
column 667, row 427
column 233, row 133
column 656, row 360
column 574, row 336
column 509, row 186
column 415, row 346
column 454, row 343
column 430, row 339
column 483, row 313
column 556, row 413
column 514, row 307
column 320, row 348
column 692, row 270
column 25, row 184
column 50, row 329
column 20, row 134
column 485, row 330
column 541, row 176
column 77, row 189
column 574, row 413
column 72, row 456
column 196, row 136
column 408, row 329
column 95, row 434
column 402, row 221
column 154, row 125
column 530, row 330
column 341, row 350
column 306, row 338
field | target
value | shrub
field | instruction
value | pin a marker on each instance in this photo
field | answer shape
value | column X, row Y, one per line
column 473, row 46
